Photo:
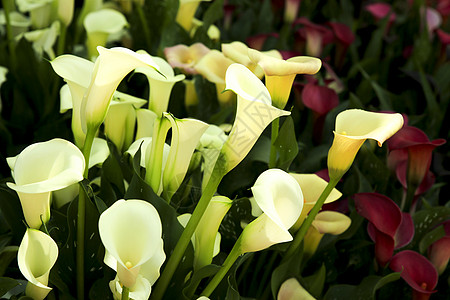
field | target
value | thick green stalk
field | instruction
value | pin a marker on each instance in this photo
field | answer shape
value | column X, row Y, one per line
column 145, row 27
column 185, row 237
column 311, row 216
column 61, row 39
column 125, row 293
column 81, row 217
column 274, row 136
column 11, row 44
column 227, row 264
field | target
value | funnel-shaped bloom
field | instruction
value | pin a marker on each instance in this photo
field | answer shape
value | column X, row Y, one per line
column 439, row 251
column 145, row 120
column 36, row 256
column 100, row 25
column 186, row 134
column 40, row 11
column 40, row 169
column 280, row 74
column 44, row 39
column 120, row 120
column 417, row 271
column 292, row 290
column 353, row 127
column 254, row 113
column 213, row 66
column 312, row 186
column 238, row 52
column 77, row 72
column 410, row 153
column 316, row 36
column 207, row 230
column 186, row 12
column 185, row 57
column 280, row 198
column 131, row 232
column 330, row 222
column 161, row 84
column 381, row 10
column 388, row 227
column 19, row 23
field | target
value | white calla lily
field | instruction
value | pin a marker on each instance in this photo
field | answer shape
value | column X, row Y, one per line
column 120, row 121
column 140, row 291
column 186, row 134
column 40, row 11
column 254, row 113
column 281, row 199
column 99, row 25
column 161, row 84
column 131, row 232
column 145, row 122
column 19, row 22
column 42, row 168
column 36, row 256
column 43, row 39
column 292, row 290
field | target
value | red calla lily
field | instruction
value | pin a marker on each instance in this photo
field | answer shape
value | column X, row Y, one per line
column 417, row 271
column 388, row 227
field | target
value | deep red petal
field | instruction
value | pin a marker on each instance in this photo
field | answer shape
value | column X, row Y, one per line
column 320, row 99
column 405, row 232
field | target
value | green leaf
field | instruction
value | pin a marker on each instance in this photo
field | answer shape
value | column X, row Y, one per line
column 291, row 267
column 6, row 284
column 7, row 255
column 204, row 272
column 425, row 220
column 431, row 237
column 286, row 144
column 316, row 282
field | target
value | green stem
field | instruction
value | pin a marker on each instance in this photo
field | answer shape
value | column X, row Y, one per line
column 185, row 237
column 81, row 217
column 61, row 39
column 408, row 200
column 11, row 45
column 228, row 263
column 125, row 293
column 311, row 216
column 273, row 149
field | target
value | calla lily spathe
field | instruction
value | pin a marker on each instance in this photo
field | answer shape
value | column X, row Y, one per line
column 312, row 186
column 131, row 232
column 161, row 84
column 186, row 12
column 280, row 74
column 281, row 199
column 95, row 87
column 99, row 25
column 185, row 57
column 40, row 169
column 145, row 122
column 291, row 289
column 36, row 256
column 254, row 113
column 186, row 134
column 353, row 127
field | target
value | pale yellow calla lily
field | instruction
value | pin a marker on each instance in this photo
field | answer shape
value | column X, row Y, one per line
column 213, row 66
column 145, row 120
column 186, row 12
column 292, row 290
column 77, row 72
column 36, row 256
column 99, row 25
column 43, row 39
column 238, row 52
column 280, row 74
column 186, row 134
column 40, row 11
column 19, row 22
column 120, row 121
column 131, row 232
column 281, row 199
column 254, row 113
column 65, row 11
column 40, row 169
column 353, row 127
column 206, row 234
column 161, row 84
column 312, row 186
column 330, row 222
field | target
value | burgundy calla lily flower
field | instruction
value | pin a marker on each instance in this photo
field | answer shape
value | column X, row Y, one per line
column 417, row 271
column 314, row 35
column 410, row 153
column 257, row 41
column 439, row 251
column 381, row 10
column 344, row 38
column 388, row 227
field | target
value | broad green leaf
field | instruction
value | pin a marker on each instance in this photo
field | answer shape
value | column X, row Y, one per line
column 425, row 220
column 6, row 284
column 316, row 282
column 286, row 144
column 431, row 237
